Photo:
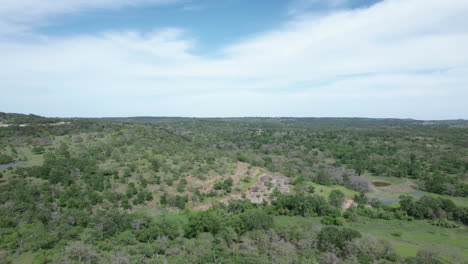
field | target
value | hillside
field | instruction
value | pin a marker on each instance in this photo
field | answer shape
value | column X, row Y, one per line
column 248, row 189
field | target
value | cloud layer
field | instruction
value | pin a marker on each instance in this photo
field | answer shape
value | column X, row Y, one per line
column 397, row 58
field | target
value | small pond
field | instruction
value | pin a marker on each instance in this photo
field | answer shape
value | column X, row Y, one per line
column 6, row 166
column 381, row 184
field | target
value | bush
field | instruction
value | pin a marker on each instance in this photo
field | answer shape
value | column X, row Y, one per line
column 256, row 219
column 336, row 198
column 5, row 159
column 38, row 149
column 444, row 223
column 332, row 238
column 332, row 220
column 209, row 221
column 225, row 185
column 323, row 178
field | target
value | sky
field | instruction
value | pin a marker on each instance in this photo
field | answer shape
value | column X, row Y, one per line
column 225, row 58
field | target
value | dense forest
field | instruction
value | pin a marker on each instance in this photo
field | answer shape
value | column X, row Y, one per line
column 233, row 190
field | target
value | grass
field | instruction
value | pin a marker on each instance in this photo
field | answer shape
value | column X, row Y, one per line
column 459, row 201
column 23, row 258
column 414, row 235
column 403, row 186
column 405, row 249
column 302, row 221
column 32, row 159
column 152, row 212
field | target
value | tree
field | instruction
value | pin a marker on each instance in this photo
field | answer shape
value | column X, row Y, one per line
column 81, row 252
column 181, row 185
column 180, row 201
column 323, row 178
column 226, row 185
column 205, row 221
column 120, row 258
column 426, row 256
column 333, row 238
column 329, row 258
column 163, row 200
column 336, row 198
column 332, row 220
column 38, row 149
column 5, row 159
column 256, row 219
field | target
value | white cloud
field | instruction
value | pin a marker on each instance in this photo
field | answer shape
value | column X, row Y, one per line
column 393, row 59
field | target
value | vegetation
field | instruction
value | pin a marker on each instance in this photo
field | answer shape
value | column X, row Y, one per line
column 158, row 190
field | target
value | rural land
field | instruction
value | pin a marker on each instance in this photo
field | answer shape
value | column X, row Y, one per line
column 232, row 190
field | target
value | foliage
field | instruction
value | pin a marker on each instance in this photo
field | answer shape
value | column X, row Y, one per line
column 333, row 239
column 5, row 159
column 101, row 191
column 336, row 198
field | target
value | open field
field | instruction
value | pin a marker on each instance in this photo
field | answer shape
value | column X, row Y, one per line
column 406, row 237
column 403, row 186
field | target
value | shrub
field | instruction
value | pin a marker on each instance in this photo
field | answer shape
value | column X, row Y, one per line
column 444, row 223
column 5, row 159
column 331, row 238
column 336, row 198
column 256, row 219
column 332, row 220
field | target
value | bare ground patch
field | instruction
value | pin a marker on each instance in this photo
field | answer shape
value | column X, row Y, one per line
column 262, row 189
column 259, row 191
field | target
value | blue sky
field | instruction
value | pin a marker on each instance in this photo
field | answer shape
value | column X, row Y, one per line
column 365, row 58
column 212, row 23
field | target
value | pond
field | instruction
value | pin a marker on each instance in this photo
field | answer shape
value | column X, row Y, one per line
column 389, row 201
column 381, row 184
column 6, row 166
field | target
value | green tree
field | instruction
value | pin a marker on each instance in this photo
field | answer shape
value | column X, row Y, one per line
column 333, row 238
column 5, row 159
column 323, row 178
column 163, row 200
column 336, row 198
column 256, row 219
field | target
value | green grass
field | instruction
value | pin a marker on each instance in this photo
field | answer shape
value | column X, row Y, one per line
column 405, row 249
column 302, row 221
column 404, row 186
column 32, row 159
column 459, row 201
column 414, row 235
column 152, row 212
column 24, row 258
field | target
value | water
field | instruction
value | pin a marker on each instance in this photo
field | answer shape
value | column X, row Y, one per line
column 6, row 166
column 381, row 184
